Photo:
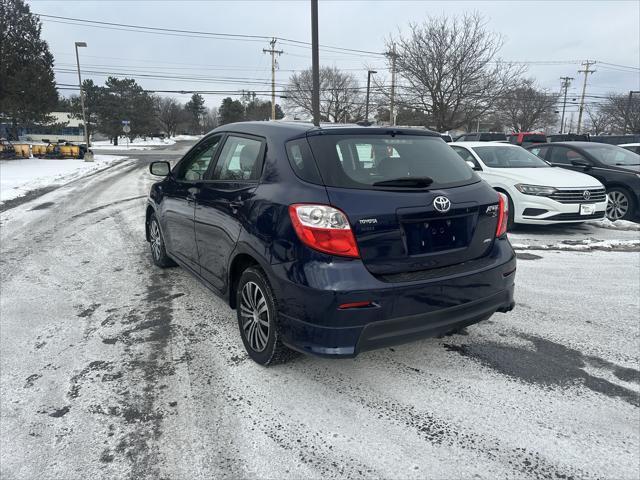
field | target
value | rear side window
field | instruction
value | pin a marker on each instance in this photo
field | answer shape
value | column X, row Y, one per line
column 540, row 151
column 302, row 161
column 360, row 161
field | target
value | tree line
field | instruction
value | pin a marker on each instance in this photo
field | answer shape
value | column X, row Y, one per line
column 448, row 69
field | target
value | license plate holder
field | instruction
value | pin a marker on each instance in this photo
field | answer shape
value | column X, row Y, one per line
column 587, row 209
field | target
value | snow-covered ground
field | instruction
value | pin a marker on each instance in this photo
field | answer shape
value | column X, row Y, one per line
column 137, row 144
column 181, row 138
column 18, row 177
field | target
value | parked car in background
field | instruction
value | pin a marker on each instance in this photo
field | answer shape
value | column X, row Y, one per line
column 537, row 192
column 446, row 137
column 616, row 168
column 568, row 137
column 482, row 137
column 527, row 138
column 322, row 251
column 632, row 147
column 615, row 139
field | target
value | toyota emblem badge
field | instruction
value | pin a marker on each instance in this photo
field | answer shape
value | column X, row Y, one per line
column 442, row 204
column 586, row 194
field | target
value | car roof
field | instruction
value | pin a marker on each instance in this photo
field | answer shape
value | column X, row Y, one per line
column 289, row 129
column 569, row 144
column 629, row 145
column 483, row 144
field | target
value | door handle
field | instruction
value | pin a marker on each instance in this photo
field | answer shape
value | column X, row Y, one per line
column 191, row 197
column 235, row 205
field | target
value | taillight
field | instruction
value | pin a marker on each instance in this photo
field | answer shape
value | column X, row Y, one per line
column 503, row 214
column 324, row 228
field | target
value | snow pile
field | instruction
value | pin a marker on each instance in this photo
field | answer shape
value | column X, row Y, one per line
column 617, row 225
column 137, row 144
column 180, row 138
column 18, row 177
column 584, row 245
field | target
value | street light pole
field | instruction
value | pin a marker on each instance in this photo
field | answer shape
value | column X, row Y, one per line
column 366, row 107
column 315, row 64
column 88, row 157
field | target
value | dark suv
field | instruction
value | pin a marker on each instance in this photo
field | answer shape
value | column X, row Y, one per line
column 334, row 240
column 616, row 168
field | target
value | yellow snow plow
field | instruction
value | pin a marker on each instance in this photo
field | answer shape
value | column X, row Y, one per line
column 10, row 150
column 61, row 149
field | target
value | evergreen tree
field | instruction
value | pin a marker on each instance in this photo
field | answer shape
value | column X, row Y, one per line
column 27, row 83
column 196, row 110
column 92, row 98
column 231, row 111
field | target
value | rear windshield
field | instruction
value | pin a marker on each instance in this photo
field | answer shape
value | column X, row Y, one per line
column 360, row 161
column 509, row 157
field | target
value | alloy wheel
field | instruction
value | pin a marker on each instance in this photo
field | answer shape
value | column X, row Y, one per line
column 255, row 316
column 617, row 206
column 156, row 239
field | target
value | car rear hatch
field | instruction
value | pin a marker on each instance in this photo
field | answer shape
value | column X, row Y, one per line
column 412, row 203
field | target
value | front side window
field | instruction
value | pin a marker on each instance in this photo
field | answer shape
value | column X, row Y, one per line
column 195, row 168
column 239, row 160
column 613, row 155
column 364, row 161
column 508, row 157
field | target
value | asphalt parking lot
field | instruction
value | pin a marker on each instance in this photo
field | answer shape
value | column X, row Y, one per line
column 111, row 367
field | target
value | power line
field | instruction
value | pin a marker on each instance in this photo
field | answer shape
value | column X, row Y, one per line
column 181, row 32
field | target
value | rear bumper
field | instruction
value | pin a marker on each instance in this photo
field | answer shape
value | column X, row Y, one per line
column 311, row 322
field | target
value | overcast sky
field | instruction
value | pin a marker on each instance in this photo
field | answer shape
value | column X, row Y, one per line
column 539, row 32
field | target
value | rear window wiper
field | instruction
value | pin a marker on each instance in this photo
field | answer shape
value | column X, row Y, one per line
column 408, row 182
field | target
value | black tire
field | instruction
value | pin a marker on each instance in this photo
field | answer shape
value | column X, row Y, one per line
column 620, row 199
column 263, row 348
column 156, row 242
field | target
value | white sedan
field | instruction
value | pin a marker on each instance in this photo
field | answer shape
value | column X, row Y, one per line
column 538, row 193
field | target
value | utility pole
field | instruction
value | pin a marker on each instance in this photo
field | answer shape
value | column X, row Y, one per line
column 566, row 82
column 366, row 107
column 392, row 103
column 586, row 71
column 628, row 116
column 315, row 64
column 274, row 64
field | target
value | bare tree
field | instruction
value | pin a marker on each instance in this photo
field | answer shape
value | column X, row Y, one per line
column 599, row 119
column 624, row 113
column 341, row 98
column 525, row 108
column 168, row 114
column 451, row 70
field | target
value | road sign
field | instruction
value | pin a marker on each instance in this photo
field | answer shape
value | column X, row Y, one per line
column 126, row 128
column 125, row 122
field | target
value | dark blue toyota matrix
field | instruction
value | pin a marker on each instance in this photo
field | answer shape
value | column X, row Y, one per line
column 334, row 240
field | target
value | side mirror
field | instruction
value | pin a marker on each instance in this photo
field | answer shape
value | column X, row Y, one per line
column 160, row 169
column 471, row 165
column 581, row 163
